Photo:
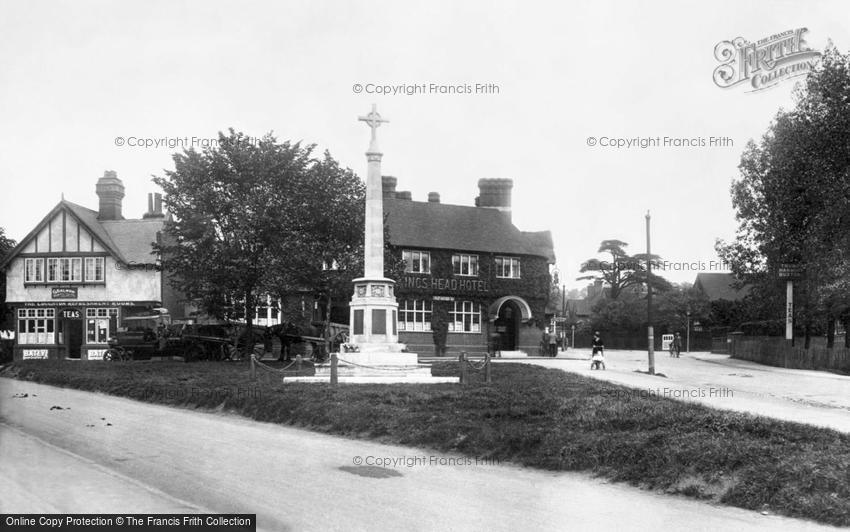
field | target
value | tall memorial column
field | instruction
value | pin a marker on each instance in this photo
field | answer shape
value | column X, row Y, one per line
column 374, row 310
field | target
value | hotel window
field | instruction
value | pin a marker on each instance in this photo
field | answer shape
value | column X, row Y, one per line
column 414, row 315
column 417, row 261
column 507, row 267
column 465, row 265
column 466, row 317
column 98, row 324
column 34, row 270
column 94, row 269
column 35, row 325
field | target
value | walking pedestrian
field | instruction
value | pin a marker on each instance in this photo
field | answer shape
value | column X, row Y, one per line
column 553, row 345
column 677, row 344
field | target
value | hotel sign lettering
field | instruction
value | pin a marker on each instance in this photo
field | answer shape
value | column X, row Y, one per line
column 440, row 284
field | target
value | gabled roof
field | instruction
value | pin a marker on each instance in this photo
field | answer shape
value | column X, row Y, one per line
column 462, row 228
column 88, row 219
column 579, row 307
column 718, row 286
column 129, row 241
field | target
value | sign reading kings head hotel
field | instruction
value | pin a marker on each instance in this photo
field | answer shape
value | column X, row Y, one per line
column 765, row 63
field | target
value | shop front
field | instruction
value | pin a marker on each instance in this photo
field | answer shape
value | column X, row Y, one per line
column 74, row 330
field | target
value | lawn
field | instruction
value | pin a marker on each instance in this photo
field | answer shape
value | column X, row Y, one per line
column 537, row 417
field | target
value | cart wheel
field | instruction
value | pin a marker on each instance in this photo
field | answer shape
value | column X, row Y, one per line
column 114, row 353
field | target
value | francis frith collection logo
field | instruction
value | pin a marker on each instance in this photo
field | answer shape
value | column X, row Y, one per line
column 765, row 63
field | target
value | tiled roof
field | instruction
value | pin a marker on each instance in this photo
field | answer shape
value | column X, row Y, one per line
column 127, row 240
column 463, row 228
column 718, row 286
column 134, row 238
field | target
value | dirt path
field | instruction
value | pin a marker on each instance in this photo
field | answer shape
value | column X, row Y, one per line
column 813, row 397
column 107, row 454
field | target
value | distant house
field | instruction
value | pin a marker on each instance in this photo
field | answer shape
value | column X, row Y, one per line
column 580, row 310
column 720, row 286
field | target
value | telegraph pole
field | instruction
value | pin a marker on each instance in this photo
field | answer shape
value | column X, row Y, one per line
column 649, row 332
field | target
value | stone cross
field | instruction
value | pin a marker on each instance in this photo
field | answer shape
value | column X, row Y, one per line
column 374, row 120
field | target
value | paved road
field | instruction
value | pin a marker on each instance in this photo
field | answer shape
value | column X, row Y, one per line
column 814, row 397
column 158, row 459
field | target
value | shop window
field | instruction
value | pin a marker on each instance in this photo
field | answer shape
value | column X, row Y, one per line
column 507, row 267
column 414, row 315
column 416, row 261
column 465, row 265
column 99, row 322
column 465, row 317
column 36, row 326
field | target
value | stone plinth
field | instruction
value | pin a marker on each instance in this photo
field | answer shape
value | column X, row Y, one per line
column 376, row 367
column 374, row 315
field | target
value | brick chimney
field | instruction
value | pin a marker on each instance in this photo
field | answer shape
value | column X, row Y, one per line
column 433, row 197
column 388, row 184
column 154, row 206
column 495, row 194
column 404, row 195
column 110, row 190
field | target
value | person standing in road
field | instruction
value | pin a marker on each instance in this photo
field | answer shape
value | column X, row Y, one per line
column 677, row 345
column 553, row 345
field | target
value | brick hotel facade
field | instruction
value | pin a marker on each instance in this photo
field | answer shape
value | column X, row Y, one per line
column 468, row 269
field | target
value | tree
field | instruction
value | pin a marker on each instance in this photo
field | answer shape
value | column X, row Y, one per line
column 252, row 218
column 673, row 308
column 623, row 270
column 793, row 196
column 6, row 245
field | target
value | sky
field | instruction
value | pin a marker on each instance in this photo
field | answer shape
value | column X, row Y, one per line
column 84, row 85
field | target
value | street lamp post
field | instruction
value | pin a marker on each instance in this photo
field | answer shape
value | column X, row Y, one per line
column 688, row 333
column 649, row 332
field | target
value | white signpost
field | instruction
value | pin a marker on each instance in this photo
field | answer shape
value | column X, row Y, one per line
column 789, row 272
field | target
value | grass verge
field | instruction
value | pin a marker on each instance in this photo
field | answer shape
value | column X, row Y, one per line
column 529, row 415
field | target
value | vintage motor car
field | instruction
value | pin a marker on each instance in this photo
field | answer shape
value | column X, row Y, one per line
column 145, row 337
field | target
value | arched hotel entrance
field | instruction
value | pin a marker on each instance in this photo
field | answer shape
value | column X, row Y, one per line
column 506, row 314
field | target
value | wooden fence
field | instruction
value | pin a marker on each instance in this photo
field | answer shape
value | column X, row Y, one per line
column 775, row 351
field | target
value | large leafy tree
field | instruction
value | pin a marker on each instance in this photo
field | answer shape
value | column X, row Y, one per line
column 620, row 270
column 255, row 217
column 6, row 245
column 793, row 197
